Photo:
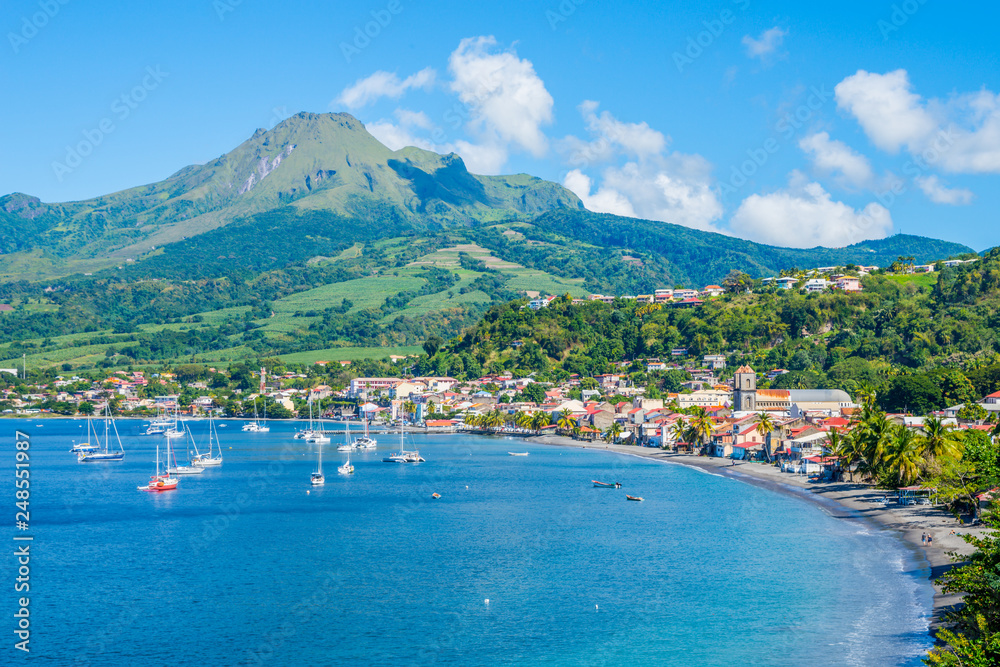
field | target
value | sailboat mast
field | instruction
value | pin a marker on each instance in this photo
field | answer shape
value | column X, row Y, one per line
column 107, row 414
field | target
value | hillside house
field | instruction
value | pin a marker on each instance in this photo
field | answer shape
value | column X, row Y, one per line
column 715, row 362
column 712, row 291
column 817, row 284
column 848, row 284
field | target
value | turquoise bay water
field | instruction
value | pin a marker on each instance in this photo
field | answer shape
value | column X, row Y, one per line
column 248, row 564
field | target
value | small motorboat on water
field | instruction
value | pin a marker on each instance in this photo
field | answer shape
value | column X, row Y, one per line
column 635, row 498
column 606, row 485
column 517, row 453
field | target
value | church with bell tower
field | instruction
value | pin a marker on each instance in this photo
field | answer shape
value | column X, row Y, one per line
column 745, row 390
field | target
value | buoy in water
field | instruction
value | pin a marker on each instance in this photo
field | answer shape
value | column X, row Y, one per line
column 307, row 492
column 487, row 600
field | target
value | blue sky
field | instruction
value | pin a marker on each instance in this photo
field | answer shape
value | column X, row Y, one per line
column 787, row 123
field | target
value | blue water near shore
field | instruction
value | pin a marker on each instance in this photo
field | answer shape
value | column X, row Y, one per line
column 242, row 566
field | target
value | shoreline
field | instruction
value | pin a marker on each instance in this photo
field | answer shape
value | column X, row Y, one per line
column 853, row 500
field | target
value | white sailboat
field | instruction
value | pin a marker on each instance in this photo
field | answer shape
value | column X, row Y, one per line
column 365, row 442
column 207, row 460
column 317, row 437
column 347, row 468
column 158, row 425
column 174, row 430
column 101, row 451
column 179, row 469
column 317, row 478
column 403, row 456
column 257, row 425
column 304, row 434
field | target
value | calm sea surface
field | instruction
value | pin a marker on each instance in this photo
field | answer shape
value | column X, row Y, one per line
column 247, row 564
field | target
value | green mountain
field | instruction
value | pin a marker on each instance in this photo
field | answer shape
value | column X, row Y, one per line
column 311, row 162
column 672, row 254
column 314, row 237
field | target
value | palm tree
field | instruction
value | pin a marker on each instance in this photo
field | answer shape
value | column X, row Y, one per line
column 497, row 418
column 939, row 440
column 566, row 421
column 867, row 396
column 843, row 448
column 903, row 455
column 613, row 432
column 872, row 437
column 701, row 425
column 410, row 408
column 431, row 408
column 679, row 431
column 522, row 419
column 765, row 426
column 539, row 420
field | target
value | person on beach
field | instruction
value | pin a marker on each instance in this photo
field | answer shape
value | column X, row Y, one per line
column 929, row 538
column 923, row 538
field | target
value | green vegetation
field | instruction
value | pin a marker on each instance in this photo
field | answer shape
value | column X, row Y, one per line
column 924, row 349
column 218, row 260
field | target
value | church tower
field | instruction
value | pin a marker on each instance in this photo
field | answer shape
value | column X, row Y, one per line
column 745, row 390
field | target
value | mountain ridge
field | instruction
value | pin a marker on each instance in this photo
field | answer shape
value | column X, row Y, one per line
column 327, row 172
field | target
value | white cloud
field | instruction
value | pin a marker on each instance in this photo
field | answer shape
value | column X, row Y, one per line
column 938, row 193
column 674, row 188
column 833, row 156
column 766, row 44
column 651, row 183
column 399, row 134
column 484, row 158
column 612, row 136
column 960, row 134
column 382, row 84
column 890, row 114
column 414, row 119
column 396, row 136
column 507, row 99
column 804, row 215
column 605, row 200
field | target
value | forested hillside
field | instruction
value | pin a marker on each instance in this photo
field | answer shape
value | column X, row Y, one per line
column 922, row 347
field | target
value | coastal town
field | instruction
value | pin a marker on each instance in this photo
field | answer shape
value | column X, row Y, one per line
column 715, row 413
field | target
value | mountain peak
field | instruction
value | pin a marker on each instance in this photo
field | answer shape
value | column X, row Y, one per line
column 310, row 161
